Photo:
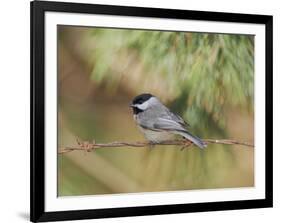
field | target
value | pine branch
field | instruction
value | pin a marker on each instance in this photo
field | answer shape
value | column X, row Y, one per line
column 86, row 146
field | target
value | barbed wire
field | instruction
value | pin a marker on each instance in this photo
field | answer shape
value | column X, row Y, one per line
column 87, row 146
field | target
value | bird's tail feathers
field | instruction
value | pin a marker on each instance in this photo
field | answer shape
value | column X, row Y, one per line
column 197, row 141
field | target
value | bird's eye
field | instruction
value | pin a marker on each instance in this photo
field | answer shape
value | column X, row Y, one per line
column 139, row 102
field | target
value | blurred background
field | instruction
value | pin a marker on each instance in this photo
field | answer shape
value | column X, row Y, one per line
column 208, row 79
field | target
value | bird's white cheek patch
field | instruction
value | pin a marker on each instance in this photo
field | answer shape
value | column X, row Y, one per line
column 142, row 106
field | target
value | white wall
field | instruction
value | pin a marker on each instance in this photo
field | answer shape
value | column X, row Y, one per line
column 14, row 112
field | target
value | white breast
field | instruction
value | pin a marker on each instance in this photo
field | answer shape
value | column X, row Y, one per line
column 155, row 136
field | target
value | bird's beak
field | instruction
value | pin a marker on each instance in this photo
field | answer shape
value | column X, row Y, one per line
column 131, row 105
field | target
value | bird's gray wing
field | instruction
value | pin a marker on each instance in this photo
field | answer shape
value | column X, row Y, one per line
column 178, row 119
column 161, row 117
column 177, row 128
column 166, row 123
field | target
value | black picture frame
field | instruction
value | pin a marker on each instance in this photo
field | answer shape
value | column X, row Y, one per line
column 37, row 181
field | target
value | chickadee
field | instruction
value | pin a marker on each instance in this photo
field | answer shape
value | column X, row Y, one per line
column 158, row 123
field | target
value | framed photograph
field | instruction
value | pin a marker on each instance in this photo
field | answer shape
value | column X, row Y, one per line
column 144, row 111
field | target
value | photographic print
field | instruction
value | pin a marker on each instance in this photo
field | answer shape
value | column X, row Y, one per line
column 129, row 86
column 144, row 111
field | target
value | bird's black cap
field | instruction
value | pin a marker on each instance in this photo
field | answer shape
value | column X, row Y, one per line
column 141, row 98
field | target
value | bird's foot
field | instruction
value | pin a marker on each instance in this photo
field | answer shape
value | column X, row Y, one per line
column 151, row 145
column 186, row 144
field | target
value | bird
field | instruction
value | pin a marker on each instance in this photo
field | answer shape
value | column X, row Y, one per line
column 158, row 123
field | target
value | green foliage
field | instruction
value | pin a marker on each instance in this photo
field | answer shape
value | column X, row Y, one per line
column 203, row 72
